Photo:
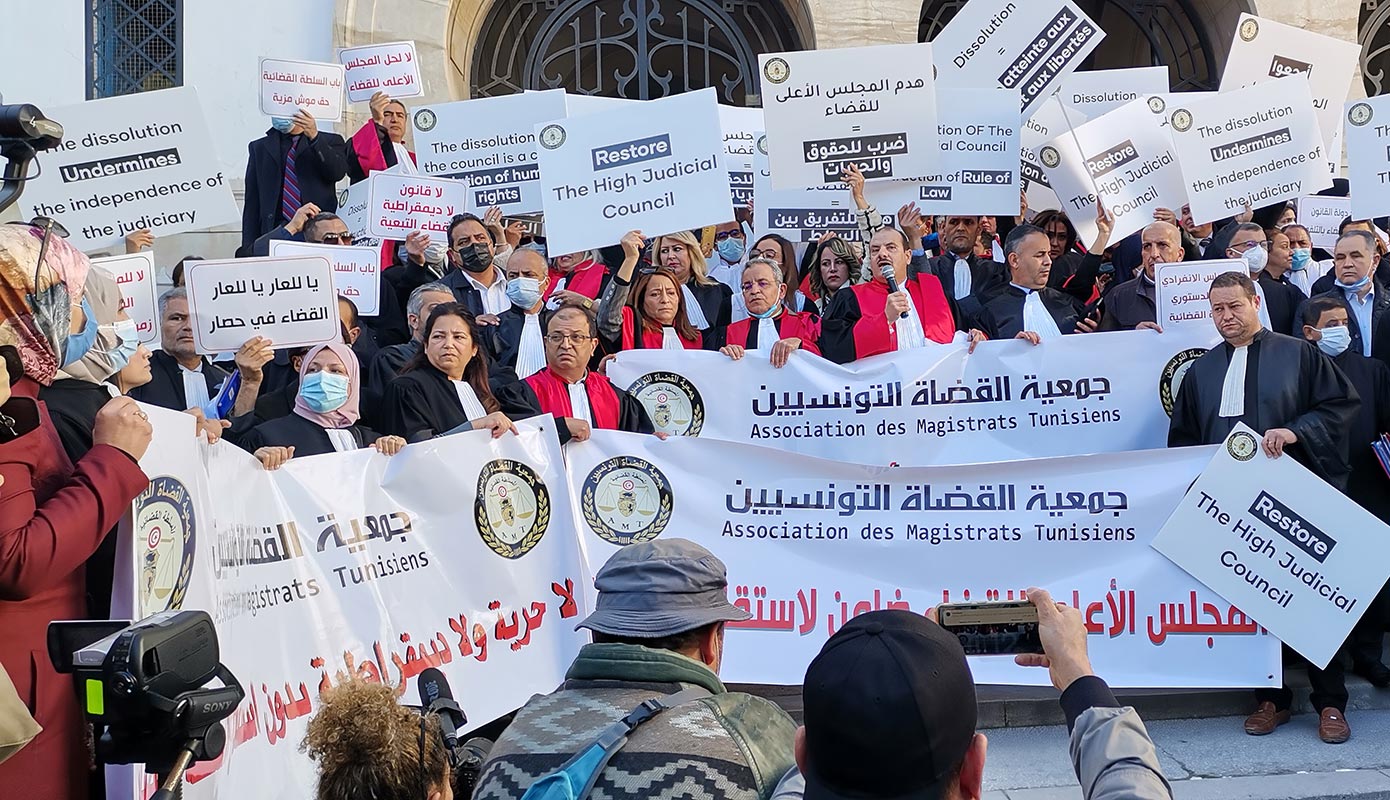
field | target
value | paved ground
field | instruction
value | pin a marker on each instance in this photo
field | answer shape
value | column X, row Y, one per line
column 1210, row 759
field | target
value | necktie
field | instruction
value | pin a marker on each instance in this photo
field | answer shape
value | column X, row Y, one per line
column 289, row 195
column 962, row 278
column 530, row 352
column 1037, row 319
column 1233, row 388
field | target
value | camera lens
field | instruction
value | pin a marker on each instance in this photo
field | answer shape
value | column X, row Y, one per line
column 124, row 683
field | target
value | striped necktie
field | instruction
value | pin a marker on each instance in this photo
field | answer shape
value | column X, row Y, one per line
column 289, row 195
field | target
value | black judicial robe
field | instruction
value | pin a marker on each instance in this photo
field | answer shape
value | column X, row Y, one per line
column 716, row 303
column 519, row 401
column 1281, row 301
column 389, row 363
column 1290, row 384
column 1002, row 317
column 987, row 279
column 422, row 404
column 1368, row 485
column 308, row 438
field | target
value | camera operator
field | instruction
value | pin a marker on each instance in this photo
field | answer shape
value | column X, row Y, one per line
column 367, row 746
column 53, row 515
column 895, row 676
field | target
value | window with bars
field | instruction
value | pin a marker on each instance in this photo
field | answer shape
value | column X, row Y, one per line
column 133, row 46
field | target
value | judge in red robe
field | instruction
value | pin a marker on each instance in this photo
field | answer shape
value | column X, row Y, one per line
column 865, row 319
column 651, row 314
column 579, row 399
column 582, row 275
column 771, row 325
column 380, row 145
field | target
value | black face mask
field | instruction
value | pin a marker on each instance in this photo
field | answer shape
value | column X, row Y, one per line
column 475, row 258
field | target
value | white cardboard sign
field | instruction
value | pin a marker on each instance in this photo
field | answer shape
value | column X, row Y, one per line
column 1013, row 44
column 391, row 67
column 1290, row 551
column 1249, row 147
column 741, row 127
column 1180, row 291
column 356, row 270
column 354, row 205
column 400, row 204
column 1097, row 92
column 314, row 86
column 142, row 160
column 1323, row 216
column 1368, row 156
column 630, row 168
column 1049, row 121
column 287, row 300
column 872, row 106
column 134, row 273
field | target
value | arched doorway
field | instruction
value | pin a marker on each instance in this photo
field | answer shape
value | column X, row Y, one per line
column 1190, row 37
column 638, row 49
column 1373, row 28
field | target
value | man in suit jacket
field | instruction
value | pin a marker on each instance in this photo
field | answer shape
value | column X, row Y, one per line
column 1365, row 298
column 320, row 161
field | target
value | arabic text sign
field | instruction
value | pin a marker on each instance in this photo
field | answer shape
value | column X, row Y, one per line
column 1294, row 553
column 1368, row 156
column 1323, row 216
column 391, row 67
column 801, row 215
column 630, row 168
column 356, row 270
column 288, row 86
column 491, row 143
column 810, row 543
column 134, row 273
column 741, row 127
column 1126, row 157
column 1013, row 44
column 399, row 205
column 287, row 300
column 977, row 168
column 137, row 161
column 870, row 106
column 1007, row 400
column 1249, row 147
column 1180, row 292
column 1097, row 92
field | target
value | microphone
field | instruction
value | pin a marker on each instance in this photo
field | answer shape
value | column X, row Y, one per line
column 886, row 270
column 439, row 700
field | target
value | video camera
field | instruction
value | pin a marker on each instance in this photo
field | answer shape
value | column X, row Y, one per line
column 466, row 758
column 24, row 132
column 141, row 687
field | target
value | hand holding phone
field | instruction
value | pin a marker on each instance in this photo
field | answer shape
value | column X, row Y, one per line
column 993, row 629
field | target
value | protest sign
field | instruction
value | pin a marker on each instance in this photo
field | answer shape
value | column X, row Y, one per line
column 357, row 565
column 578, row 105
column 134, row 273
column 356, row 270
column 391, row 67
column 1323, row 216
column 1249, row 147
column 741, row 127
column 353, row 206
column 1097, row 92
column 491, row 143
column 1263, row 50
column 1103, row 392
column 312, row 86
column 127, row 163
column 1125, row 157
column 289, row 301
column 1180, row 292
column 399, row 205
column 811, row 543
column 1368, row 156
column 802, row 215
column 1049, row 121
column 1162, row 103
column 1015, row 45
column 630, row 168
column 1266, row 534
column 976, row 171
column 870, row 106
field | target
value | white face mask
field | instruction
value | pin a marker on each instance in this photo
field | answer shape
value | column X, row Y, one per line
column 435, row 252
column 1335, row 340
column 1255, row 259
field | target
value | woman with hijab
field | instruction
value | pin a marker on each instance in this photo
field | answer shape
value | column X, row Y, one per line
column 325, row 415
column 444, row 387
column 650, row 314
column 53, row 514
column 709, row 304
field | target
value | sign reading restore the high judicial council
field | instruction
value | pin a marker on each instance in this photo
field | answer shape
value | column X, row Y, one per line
column 1288, row 549
column 633, row 168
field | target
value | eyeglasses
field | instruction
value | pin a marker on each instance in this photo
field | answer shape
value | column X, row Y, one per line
column 575, row 339
column 1241, row 248
column 770, row 255
column 758, row 285
column 337, row 238
column 722, row 235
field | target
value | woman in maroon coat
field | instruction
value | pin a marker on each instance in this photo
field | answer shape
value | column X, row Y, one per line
column 52, row 515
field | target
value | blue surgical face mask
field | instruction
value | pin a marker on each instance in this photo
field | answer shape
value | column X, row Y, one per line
column 79, row 343
column 524, row 292
column 1301, row 257
column 324, row 391
column 126, row 331
column 1354, row 287
column 281, row 124
column 731, row 249
column 1334, row 340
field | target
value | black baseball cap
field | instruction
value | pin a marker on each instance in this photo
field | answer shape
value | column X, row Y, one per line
column 889, row 709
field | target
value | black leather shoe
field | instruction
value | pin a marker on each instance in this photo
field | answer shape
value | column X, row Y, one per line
column 1374, row 672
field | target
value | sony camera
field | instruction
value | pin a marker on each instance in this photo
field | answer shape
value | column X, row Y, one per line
column 24, row 132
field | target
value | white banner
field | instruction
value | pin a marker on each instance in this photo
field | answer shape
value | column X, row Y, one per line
column 356, row 563
column 1125, row 157
column 1368, row 156
column 1323, row 216
column 288, row 86
column 491, row 143
column 801, row 215
column 824, row 109
column 354, row 207
column 1100, row 91
column 289, row 301
column 134, row 273
column 356, row 270
column 1264, row 50
column 1180, row 292
column 136, row 161
column 811, row 543
column 741, row 127
column 1268, row 534
column 391, row 67
column 976, row 170
column 631, row 168
column 1249, row 147
column 1015, row 45
column 1088, row 393
column 399, row 205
